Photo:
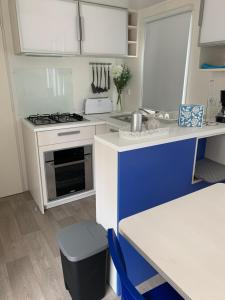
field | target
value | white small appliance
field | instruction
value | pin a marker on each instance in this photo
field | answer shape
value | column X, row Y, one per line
column 98, row 106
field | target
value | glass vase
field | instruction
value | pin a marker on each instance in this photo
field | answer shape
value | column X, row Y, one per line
column 119, row 102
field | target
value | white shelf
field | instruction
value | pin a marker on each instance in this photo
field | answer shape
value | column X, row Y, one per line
column 132, row 34
column 213, row 70
column 210, row 171
column 132, row 18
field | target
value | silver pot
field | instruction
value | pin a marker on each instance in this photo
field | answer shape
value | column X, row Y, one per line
column 136, row 121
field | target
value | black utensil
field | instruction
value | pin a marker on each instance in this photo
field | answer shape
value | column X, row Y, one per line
column 101, row 90
column 105, row 77
column 109, row 79
column 97, row 85
column 93, row 82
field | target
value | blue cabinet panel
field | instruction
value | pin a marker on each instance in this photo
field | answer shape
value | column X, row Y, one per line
column 201, row 149
column 148, row 177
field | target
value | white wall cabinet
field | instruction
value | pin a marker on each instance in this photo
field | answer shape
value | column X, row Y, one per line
column 46, row 26
column 213, row 22
column 104, row 30
column 67, row 27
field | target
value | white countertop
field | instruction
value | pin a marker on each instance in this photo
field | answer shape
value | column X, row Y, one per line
column 184, row 241
column 175, row 133
column 92, row 120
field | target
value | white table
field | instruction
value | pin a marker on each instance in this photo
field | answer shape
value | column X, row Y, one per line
column 184, row 240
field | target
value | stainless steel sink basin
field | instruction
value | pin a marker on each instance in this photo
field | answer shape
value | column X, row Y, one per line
column 127, row 118
column 123, row 118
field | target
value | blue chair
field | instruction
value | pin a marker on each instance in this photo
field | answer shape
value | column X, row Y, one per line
column 129, row 292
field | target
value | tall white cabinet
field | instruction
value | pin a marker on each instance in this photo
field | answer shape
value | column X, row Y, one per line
column 104, row 30
column 46, row 26
column 10, row 173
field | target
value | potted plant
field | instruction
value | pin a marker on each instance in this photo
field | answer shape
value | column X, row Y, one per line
column 121, row 76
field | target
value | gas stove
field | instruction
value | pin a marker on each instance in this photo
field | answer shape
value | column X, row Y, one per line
column 56, row 118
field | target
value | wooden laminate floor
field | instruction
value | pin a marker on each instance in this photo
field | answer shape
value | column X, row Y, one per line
column 30, row 266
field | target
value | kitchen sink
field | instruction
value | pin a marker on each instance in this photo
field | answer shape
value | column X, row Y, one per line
column 123, row 118
column 127, row 118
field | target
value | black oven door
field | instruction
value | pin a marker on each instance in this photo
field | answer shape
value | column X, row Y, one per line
column 69, row 172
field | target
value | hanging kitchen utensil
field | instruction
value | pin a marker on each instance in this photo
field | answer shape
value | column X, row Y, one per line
column 97, row 75
column 105, row 77
column 109, row 79
column 93, row 87
column 101, row 90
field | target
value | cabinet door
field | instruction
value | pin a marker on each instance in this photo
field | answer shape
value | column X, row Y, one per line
column 213, row 22
column 104, row 30
column 48, row 26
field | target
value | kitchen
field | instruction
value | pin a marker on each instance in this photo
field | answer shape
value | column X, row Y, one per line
column 54, row 70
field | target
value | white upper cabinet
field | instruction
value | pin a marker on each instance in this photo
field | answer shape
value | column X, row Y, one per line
column 46, row 26
column 213, row 22
column 104, row 30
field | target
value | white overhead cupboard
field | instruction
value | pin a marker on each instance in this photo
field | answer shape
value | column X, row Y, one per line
column 47, row 26
column 67, row 27
column 104, row 29
column 212, row 22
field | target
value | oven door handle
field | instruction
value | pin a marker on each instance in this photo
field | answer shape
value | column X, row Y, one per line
column 69, row 164
column 69, row 133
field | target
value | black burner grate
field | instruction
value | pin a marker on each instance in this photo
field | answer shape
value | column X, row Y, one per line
column 55, row 118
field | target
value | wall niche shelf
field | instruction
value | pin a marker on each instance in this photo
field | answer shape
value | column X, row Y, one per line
column 132, row 33
column 209, row 164
column 212, row 55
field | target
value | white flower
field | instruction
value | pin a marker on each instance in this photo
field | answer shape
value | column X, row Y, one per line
column 194, row 122
column 117, row 70
column 196, row 109
column 187, row 114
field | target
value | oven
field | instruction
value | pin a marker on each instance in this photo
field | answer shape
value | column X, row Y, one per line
column 68, row 171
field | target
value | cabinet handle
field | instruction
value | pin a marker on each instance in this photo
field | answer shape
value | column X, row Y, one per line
column 78, row 28
column 202, row 5
column 69, row 133
column 82, row 28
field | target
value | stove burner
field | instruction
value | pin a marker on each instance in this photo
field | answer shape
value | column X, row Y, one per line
column 55, row 118
column 66, row 117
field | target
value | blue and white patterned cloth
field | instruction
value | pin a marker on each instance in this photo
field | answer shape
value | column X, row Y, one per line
column 191, row 115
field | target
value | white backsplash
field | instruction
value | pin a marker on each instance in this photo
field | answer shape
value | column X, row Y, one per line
column 49, row 84
column 43, row 90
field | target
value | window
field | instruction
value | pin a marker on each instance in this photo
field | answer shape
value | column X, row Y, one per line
column 167, row 42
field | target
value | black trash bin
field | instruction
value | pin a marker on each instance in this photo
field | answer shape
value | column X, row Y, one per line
column 83, row 249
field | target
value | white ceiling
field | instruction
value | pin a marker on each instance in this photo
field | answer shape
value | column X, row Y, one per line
column 138, row 4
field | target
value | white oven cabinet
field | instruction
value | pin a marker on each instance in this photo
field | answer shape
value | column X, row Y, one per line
column 45, row 26
column 212, row 22
column 37, row 143
column 104, row 30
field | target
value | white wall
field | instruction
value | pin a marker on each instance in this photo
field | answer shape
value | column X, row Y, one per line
column 198, row 80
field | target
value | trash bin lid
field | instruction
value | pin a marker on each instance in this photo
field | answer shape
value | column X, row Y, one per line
column 82, row 240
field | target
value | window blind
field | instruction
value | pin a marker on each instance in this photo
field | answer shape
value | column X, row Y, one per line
column 165, row 61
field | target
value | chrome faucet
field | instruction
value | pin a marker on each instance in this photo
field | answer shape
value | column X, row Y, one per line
column 148, row 111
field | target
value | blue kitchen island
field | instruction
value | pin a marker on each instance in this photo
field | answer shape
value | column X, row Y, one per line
column 132, row 176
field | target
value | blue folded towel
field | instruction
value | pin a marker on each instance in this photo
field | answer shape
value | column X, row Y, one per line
column 207, row 66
